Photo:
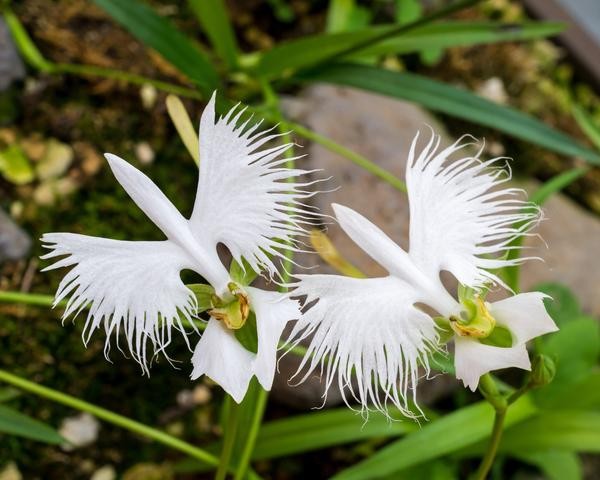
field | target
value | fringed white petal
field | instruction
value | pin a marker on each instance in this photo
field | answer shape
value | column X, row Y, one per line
column 524, row 315
column 246, row 199
column 473, row 359
column 462, row 216
column 368, row 328
column 273, row 310
column 221, row 357
column 132, row 288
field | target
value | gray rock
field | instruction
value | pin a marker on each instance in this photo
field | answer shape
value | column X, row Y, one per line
column 11, row 66
column 14, row 242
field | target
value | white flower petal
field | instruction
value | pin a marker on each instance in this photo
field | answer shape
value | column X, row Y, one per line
column 473, row 359
column 273, row 310
column 369, row 327
column 460, row 220
column 221, row 357
column 524, row 315
column 244, row 199
column 130, row 287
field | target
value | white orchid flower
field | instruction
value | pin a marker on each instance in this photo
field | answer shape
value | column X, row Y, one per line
column 462, row 220
column 246, row 200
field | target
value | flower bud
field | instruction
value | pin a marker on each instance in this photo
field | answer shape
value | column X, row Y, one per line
column 543, row 370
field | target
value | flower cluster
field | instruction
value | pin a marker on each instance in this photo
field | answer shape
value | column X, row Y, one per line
column 372, row 336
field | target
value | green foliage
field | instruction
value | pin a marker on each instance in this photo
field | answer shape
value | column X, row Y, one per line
column 318, row 430
column 555, row 464
column 438, row 438
column 156, row 32
column 214, row 19
column 13, row 422
column 452, row 101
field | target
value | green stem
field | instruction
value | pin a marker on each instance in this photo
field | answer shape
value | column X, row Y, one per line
column 245, row 456
column 354, row 157
column 489, row 389
column 127, row 77
column 33, row 57
column 492, row 448
column 110, row 417
column 229, row 440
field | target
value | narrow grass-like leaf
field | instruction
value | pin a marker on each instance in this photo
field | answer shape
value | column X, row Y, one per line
column 460, row 33
column 587, row 124
column 158, row 33
column 323, row 429
column 13, row 422
column 556, row 465
column 307, row 51
column 436, row 439
column 452, row 101
column 213, row 17
column 574, row 430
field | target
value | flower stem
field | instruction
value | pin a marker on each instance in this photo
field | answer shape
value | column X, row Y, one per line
column 259, row 409
column 489, row 390
column 354, row 157
column 229, row 440
column 110, row 417
column 492, row 448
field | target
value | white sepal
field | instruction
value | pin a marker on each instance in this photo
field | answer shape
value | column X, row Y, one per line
column 132, row 288
column 369, row 328
column 462, row 216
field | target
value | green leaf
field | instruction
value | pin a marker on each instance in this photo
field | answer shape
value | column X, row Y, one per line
column 8, row 393
column 15, row 166
column 214, row 19
column 587, row 124
column 444, row 35
column 436, row 439
column 561, row 430
column 324, row 429
column 307, row 51
column 345, row 15
column 576, row 347
column 556, row 465
column 556, row 184
column 158, row 33
column 581, row 394
column 563, row 306
column 13, row 422
column 453, row 101
column 248, row 335
column 408, row 11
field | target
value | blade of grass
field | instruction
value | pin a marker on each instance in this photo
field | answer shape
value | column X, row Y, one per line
column 110, row 417
column 213, row 17
column 158, row 33
column 452, row 101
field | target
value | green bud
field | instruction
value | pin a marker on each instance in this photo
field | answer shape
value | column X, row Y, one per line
column 543, row 370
